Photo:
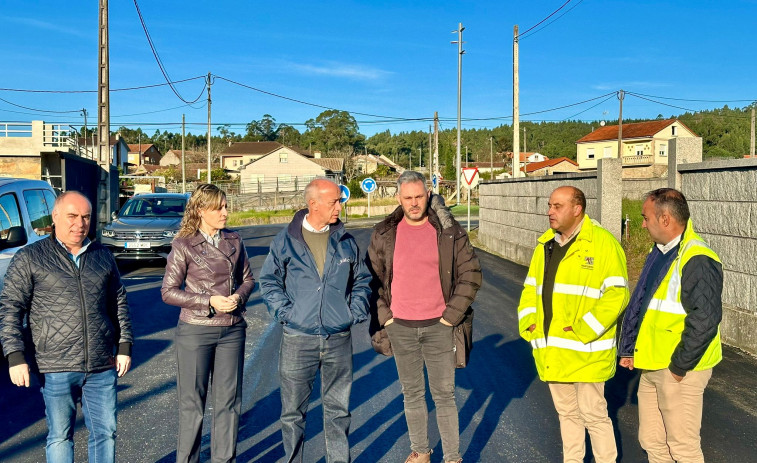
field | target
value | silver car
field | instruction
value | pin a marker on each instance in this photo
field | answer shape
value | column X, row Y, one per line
column 145, row 226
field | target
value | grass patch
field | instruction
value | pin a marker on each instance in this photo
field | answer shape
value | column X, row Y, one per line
column 462, row 210
column 389, row 201
column 244, row 218
column 638, row 243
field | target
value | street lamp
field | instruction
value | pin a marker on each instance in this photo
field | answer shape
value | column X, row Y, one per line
column 460, row 53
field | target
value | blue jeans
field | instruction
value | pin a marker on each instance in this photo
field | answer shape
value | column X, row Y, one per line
column 431, row 346
column 97, row 392
column 300, row 357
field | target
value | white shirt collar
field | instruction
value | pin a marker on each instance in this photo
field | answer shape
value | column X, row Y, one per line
column 312, row 229
column 562, row 240
column 667, row 247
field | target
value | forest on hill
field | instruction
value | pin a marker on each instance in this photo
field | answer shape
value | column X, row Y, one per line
column 725, row 133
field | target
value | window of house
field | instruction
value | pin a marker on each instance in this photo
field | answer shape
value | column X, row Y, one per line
column 607, row 152
column 590, row 153
column 639, row 150
column 673, row 130
column 283, row 157
column 663, row 149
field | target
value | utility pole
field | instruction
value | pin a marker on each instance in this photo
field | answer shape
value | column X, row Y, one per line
column 86, row 151
column 491, row 158
column 516, row 106
column 435, row 164
column 208, row 83
column 466, row 155
column 525, row 150
column 621, row 95
column 751, row 144
column 183, row 165
column 420, row 157
column 430, row 160
column 103, row 118
column 460, row 53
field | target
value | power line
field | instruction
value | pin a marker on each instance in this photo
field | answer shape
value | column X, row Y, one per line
column 681, row 107
column 141, row 87
column 295, row 100
column 590, row 107
column 692, row 100
column 160, row 62
column 522, row 34
column 39, row 110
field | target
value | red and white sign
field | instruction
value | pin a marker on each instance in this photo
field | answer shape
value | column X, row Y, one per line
column 471, row 177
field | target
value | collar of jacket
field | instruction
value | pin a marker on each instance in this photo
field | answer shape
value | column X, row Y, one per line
column 223, row 245
column 438, row 214
column 295, row 226
column 53, row 240
column 586, row 233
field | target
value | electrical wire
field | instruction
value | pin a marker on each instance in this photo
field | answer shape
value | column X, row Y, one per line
column 141, row 87
column 160, row 62
column 523, row 34
column 685, row 109
column 590, row 107
column 39, row 110
column 692, row 100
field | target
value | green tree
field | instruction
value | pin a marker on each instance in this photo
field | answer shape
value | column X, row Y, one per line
column 333, row 131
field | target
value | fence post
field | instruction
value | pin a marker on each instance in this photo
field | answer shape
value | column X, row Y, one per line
column 276, row 195
column 610, row 195
column 260, row 194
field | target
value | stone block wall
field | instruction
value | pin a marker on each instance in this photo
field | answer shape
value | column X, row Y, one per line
column 513, row 212
column 636, row 188
column 722, row 198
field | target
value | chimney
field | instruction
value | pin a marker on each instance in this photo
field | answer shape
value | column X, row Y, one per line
column 317, row 154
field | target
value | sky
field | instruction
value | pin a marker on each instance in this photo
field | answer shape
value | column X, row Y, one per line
column 389, row 63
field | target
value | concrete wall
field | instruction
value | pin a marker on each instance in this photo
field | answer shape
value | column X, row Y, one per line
column 21, row 167
column 513, row 212
column 636, row 188
column 722, row 197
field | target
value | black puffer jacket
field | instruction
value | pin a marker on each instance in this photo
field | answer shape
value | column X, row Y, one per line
column 78, row 316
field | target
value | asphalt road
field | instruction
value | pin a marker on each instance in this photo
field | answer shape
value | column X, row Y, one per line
column 506, row 414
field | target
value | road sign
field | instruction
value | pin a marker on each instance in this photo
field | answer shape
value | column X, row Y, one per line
column 434, row 181
column 368, row 185
column 471, row 177
column 345, row 194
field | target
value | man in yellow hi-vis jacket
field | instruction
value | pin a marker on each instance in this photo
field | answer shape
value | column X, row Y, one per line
column 575, row 290
column 671, row 330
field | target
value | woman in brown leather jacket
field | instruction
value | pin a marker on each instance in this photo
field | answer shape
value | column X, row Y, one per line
column 208, row 275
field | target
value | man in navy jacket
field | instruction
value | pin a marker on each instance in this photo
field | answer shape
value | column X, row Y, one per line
column 316, row 284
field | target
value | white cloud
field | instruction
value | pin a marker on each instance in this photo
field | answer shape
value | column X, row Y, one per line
column 333, row 69
column 31, row 22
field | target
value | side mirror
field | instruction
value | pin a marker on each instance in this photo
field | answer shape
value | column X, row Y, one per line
column 113, row 215
column 16, row 237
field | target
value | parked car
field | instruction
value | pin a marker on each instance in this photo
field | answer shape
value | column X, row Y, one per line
column 145, row 226
column 26, row 208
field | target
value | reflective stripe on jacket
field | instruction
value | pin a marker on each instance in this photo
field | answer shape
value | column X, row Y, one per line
column 590, row 291
column 664, row 320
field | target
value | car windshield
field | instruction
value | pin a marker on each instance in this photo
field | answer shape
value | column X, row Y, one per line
column 154, row 207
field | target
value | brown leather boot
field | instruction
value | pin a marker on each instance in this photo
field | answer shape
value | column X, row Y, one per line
column 416, row 457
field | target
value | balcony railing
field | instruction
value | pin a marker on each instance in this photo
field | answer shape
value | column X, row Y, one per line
column 636, row 160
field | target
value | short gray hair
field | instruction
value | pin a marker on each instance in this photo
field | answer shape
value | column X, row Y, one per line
column 410, row 176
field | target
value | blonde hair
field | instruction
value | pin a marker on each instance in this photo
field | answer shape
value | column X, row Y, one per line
column 206, row 196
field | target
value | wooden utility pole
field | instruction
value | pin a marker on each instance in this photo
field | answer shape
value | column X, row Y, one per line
column 183, row 163
column 525, row 149
column 751, row 144
column 103, row 119
column 621, row 95
column 436, row 150
column 491, row 158
column 209, row 166
column 516, row 106
column 430, row 155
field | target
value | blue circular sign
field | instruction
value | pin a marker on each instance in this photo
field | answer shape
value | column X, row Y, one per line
column 345, row 194
column 368, row 185
column 434, row 180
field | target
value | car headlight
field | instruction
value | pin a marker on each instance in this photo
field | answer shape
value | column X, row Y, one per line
column 170, row 233
column 108, row 233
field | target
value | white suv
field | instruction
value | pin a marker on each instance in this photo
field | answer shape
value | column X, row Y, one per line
column 26, row 208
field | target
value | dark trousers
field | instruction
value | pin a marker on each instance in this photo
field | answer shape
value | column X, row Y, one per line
column 300, row 357
column 204, row 352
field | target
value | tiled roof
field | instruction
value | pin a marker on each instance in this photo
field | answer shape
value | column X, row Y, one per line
column 633, row 130
column 332, row 164
column 548, row 163
column 134, row 147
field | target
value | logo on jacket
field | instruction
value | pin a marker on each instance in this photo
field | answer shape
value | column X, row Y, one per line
column 344, row 259
column 588, row 263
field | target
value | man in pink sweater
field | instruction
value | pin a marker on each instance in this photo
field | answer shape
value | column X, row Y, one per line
column 428, row 276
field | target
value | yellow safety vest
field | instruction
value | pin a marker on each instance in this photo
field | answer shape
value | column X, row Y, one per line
column 663, row 323
column 590, row 291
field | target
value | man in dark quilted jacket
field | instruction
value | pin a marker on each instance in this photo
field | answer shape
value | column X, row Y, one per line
column 71, row 291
